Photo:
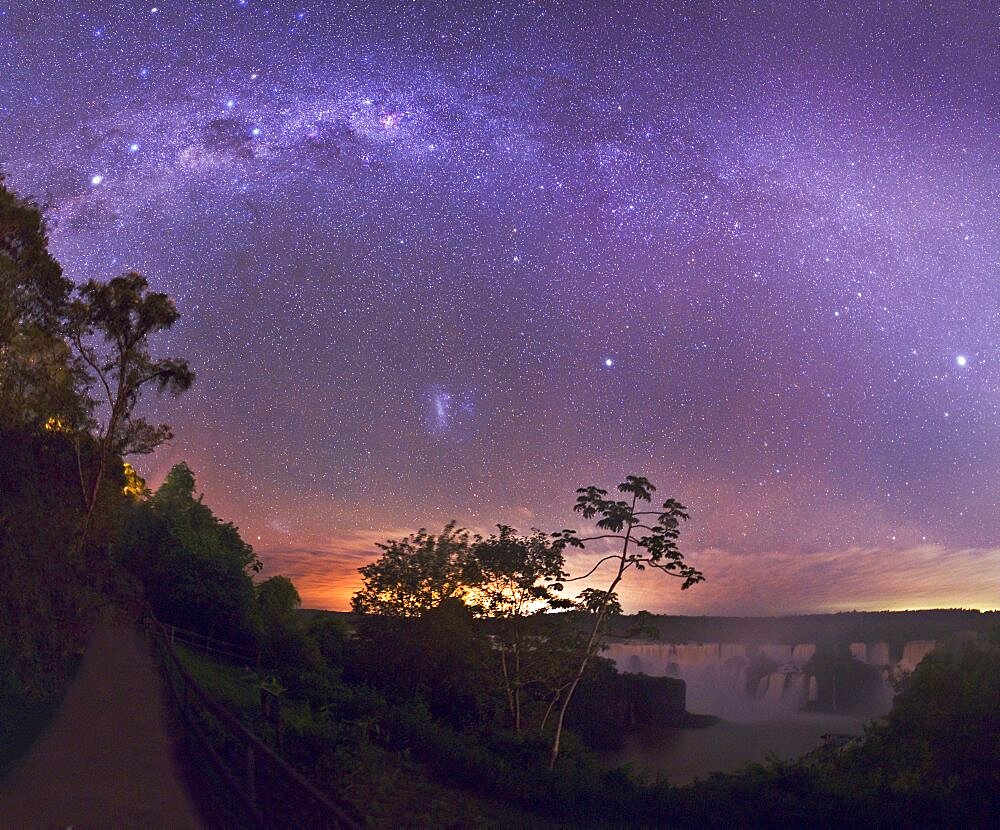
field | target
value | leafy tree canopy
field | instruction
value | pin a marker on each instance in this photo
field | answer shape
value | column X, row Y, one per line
column 416, row 573
column 110, row 324
column 39, row 377
column 195, row 568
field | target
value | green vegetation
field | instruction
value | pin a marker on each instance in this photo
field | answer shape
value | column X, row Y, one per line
column 109, row 325
column 407, row 717
column 196, row 570
column 932, row 762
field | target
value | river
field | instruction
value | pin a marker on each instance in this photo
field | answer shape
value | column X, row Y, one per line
column 682, row 755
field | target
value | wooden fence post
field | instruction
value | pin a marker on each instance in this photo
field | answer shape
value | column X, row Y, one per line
column 251, row 774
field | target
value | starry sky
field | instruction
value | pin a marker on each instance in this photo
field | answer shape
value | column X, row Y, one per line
column 453, row 260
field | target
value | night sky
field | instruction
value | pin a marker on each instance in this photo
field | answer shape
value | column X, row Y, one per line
column 454, row 260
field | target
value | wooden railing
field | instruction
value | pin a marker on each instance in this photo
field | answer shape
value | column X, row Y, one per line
column 269, row 792
column 209, row 645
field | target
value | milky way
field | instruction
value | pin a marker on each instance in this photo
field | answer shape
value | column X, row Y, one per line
column 443, row 261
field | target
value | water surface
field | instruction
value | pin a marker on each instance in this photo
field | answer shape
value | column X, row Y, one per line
column 682, row 755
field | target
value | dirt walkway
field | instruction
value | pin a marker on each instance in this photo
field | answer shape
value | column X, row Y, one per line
column 107, row 758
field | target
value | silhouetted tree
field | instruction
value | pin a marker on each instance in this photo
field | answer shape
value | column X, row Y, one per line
column 285, row 647
column 440, row 657
column 644, row 543
column 110, row 325
column 515, row 579
column 39, row 379
column 195, row 568
column 415, row 574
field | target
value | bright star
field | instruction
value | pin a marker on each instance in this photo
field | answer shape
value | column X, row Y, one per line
column 96, row 179
column 608, row 362
column 961, row 360
column 133, row 148
column 256, row 131
column 230, row 103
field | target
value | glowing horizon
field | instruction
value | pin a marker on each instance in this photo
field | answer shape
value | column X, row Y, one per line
column 852, row 583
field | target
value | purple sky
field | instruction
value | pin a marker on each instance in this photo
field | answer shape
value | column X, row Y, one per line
column 455, row 260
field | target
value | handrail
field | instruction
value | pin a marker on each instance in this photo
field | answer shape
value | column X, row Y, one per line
column 210, row 645
column 272, row 792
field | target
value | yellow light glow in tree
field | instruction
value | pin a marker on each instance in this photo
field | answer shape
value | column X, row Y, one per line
column 135, row 484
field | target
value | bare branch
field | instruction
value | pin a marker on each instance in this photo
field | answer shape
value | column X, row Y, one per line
column 599, row 563
column 85, row 353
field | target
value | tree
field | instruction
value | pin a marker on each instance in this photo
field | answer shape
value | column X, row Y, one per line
column 39, row 379
column 278, row 600
column 644, row 543
column 285, row 647
column 517, row 578
column 415, row 574
column 195, row 568
column 440, row 657
column 110, row 325
column 417, row 637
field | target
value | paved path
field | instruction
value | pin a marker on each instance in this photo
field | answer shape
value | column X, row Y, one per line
column 107, row 759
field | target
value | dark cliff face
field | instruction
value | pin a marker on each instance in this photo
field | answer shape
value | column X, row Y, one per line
column 607, row 705
column 844, row 684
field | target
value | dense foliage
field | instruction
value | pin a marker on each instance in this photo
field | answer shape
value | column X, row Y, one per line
column 39, row 378
column 514, row 579
column 934, row 761
column 50, row 587
column 195, row 568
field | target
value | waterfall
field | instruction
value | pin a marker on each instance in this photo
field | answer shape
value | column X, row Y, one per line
column 717, row 674
column 771, row 689
column 802, row 653
column 914, row 652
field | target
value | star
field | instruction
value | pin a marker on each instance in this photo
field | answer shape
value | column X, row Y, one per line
column 609, row 362
column 96, row 179
column 961, row 360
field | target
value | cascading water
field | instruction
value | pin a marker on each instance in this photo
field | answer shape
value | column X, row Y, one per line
column 718, row 675
column 914, row 652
